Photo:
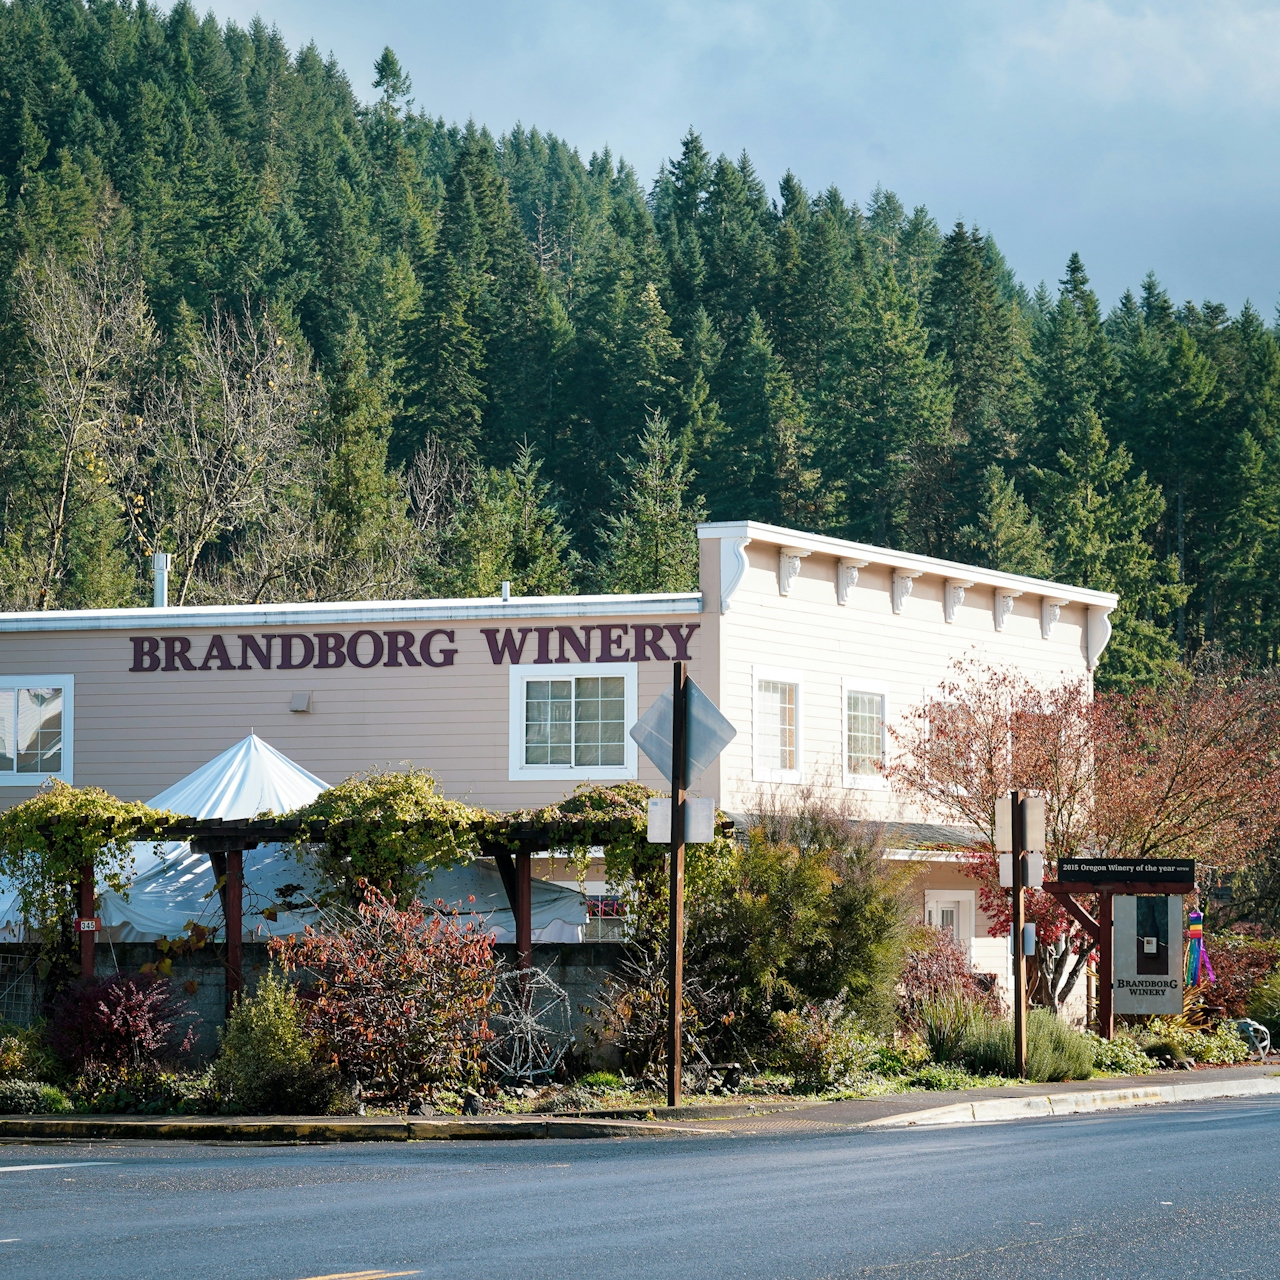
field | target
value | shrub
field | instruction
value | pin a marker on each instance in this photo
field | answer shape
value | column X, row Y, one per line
column 822, row 1046
column 1054, row 1050
column 944, row 1021
column 937, row 1075
column 1264, row 1004
column 601, row 1080
column 31, row 1098
column 936, row 967
column 1217, row 1048
column 399, row 998
column 265, row 1065
column 23, row 1054
column 801, row 909
column 1240, row 964
column 106, row 1089
column 1120, row 1054
column 132, row 1020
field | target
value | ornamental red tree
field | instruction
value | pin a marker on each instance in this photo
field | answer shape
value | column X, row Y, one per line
column 398, row 999
column 1185, row 769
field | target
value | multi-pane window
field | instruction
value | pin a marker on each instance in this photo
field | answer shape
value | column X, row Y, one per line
column 578, row 723
column 776, row 725
column 864, row 733
column 30, row 730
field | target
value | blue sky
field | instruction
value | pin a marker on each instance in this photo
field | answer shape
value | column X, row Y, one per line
column 1145, row 136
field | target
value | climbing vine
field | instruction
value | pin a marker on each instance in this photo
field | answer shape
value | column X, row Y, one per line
column 46, row 840
column 388, row 829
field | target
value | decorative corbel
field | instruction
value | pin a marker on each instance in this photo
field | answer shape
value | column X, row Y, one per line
column 902, row 586
column 733, row 567
column 1004, row 605
column 788, row 567
column 953, row 590
column 1098, row 633
column 847, row 578
column 1050, row 609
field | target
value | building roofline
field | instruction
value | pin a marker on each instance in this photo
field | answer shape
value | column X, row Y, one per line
column 774, row 535
column 339, row 614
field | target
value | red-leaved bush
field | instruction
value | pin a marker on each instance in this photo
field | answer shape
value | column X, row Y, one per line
column 128, row 1020
column 398, row 999
column 1239, row 964
column 935, row 967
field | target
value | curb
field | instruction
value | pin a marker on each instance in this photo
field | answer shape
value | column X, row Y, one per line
column 994, row 1110
column 434, row 1129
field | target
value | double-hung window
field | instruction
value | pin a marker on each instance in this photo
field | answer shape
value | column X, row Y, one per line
column 864, row 737
column 35, row 729
column 777, row 722
column 573, row 720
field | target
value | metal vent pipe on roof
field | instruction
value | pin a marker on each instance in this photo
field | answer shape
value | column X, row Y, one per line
column 160, row 567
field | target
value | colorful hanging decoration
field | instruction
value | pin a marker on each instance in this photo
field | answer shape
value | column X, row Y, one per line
column 1198, row 967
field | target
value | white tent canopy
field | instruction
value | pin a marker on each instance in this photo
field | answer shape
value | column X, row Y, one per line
column 172, row 885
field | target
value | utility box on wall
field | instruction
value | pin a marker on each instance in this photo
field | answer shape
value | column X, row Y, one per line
column 1148, row 954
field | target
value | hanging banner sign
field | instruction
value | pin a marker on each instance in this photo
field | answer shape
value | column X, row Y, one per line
column 1146, row 870
column 1148, row 953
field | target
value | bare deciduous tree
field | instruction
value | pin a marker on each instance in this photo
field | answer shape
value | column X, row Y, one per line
column 90, row 335
column 219, row 446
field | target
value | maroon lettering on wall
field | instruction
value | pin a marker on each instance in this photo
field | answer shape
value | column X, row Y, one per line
column 146, row 653
column 544, row 644
column 176, row 649
column 609, row 643
column 332, row 649
column 437, row 657
column 353, row 649
column 680, row 641
column 249, row 645
column 400, row 645
column 308, row 651
column 507, row 647
column 649, row 640
column 217, row 649
column 581, row 648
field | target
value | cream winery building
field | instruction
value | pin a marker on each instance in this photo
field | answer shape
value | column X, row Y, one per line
column 810, row 645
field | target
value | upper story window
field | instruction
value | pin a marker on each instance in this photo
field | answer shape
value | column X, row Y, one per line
column 573, row 725
column 35, row 729
column 864, row 736
column 777, row 725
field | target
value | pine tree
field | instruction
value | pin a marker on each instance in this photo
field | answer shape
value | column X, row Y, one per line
column 763, row 469
column 1006, row 536
column 1099, row 517
column 886, row 405
column 651, row 539
column 509, row 531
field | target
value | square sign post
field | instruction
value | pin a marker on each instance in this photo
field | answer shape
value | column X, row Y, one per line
column 1020, row 830
column 675, row 922
column 682, row 733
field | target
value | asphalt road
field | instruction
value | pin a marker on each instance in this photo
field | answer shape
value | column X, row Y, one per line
column 1165, row 1192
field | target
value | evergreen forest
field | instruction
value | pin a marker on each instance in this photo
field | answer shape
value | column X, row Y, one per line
column 319, row 344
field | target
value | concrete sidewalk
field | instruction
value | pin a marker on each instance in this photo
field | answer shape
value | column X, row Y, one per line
column 1007, row 1102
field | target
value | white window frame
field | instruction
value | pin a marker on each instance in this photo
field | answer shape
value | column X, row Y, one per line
column 966, row 929
column 783, row 675
column 864, row 781
column 522, row 673
column 67, row 684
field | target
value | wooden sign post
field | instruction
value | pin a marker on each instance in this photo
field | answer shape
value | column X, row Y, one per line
column 675, row 923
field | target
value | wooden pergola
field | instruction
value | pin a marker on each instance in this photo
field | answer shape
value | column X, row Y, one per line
column 225, row 841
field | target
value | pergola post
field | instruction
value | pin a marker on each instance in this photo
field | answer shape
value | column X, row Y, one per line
column 524, row 909
column 234, row 917
column 88, row 936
